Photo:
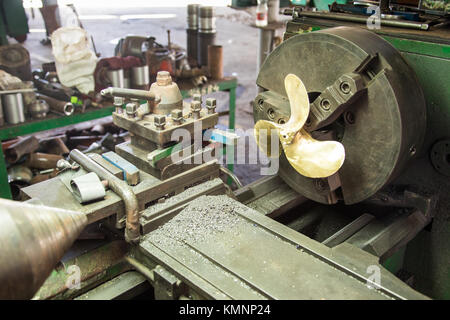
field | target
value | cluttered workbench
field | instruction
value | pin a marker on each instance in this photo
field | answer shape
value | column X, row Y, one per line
column 52, row 121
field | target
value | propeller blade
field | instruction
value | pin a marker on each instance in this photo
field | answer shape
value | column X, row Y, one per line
column 312, row 158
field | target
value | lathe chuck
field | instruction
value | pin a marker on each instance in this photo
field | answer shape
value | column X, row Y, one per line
column 381, row 128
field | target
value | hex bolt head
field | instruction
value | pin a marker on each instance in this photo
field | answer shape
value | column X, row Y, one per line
column 159, row 121
column 211, row 105
column 197, row 97
column 177, row 116
column 118, row 102
column 131, row 109
column 196, row 107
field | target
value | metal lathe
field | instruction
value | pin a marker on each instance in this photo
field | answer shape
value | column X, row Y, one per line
column 378, row 228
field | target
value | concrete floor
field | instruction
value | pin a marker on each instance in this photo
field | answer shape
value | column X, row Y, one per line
column 107, row 22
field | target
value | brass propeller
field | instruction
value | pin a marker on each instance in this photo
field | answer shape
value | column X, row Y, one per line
column 309, row 157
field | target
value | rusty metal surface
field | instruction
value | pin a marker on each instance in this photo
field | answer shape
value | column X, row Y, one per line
column 34, row 239
column 22, row 147
column 43, row 161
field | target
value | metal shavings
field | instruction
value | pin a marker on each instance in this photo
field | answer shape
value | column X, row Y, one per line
column 198, row 222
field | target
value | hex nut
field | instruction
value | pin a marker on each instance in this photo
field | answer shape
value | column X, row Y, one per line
column 177, row 116
column 159, row 121
column 196, row 106
column 211, row 105
column 131, row 109
column 118, row 101
column 197, row 97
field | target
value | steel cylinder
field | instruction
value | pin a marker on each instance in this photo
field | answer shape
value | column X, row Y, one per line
column 192, row 16
column 58, row 106
column 140, row 77
column 127, row 78
column 192, row 35
column 203, row 41
column 43, row 161
column 215, row 62
column 207, row 20
column 116, row 77
column 13, row 108
column 21, row 148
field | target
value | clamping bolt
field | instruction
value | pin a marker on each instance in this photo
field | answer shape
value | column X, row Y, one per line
column 211, row 105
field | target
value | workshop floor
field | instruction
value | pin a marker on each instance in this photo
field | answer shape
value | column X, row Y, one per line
column 108, row 21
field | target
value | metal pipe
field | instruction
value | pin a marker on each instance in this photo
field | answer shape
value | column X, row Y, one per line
column 353, row 18
column 59, row 106
column 116, row 77
column 204, row 40
column 13, row 108
column 120, row 187
column 128, row 93
column 207, row 19
column 141, row 268
column 230, row 173
column 215, row 62
column 40, row 160
column 140, row 77
column 21, row 148
column 17, row 91
column 192, row 16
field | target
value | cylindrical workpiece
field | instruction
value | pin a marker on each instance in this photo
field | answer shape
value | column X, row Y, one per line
column 215, row 62
column 59, row 106
column 192, row 40
column 140, row 77
column 207, row 20
column 192, row 16
column 204, row 40
column 13, row 108
column 127, row 78
column 43, row 161
column 21, row 148
column 116, row 77
column 206, row 34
